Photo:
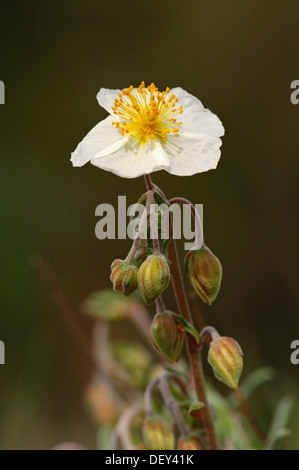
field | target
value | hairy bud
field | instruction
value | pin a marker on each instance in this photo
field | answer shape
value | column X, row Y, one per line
column 189, row 442
column 205, row 273
column 124, row 277
column 157, row 434
column 167, row 336
column 225, row 357
column 153, row 277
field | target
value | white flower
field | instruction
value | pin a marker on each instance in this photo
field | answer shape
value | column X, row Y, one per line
column 148, row 130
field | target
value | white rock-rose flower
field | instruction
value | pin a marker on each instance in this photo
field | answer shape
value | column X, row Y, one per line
column 148, row 130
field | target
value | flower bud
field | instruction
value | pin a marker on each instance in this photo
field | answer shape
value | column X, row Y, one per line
column 153, row 278
column 102, row 403
column 157, row 434
column 124, row 277
column 225, row 357
column 167, row 336
column 189, row 442
column 205, row 273
column 135, row 361
column 108, row 305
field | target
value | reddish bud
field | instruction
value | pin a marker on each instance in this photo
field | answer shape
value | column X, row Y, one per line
column 189, row 442
column 157, row 434
column 205, row 273
column 153, row 277
column 225, row 357
column 124, row 277
column 167, row 336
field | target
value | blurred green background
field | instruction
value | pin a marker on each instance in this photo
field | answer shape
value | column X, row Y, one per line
column 239, row 58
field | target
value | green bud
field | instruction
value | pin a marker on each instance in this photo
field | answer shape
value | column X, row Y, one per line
column 153, row 278
column 205, row 273
column 124, row 277
column 157, row 434
column 225, row 357
column 167, row 336
column 108, row 305
column 134, row 359
column 189, row 442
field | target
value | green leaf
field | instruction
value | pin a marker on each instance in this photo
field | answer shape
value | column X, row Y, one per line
column 176, row 371
column 165, row 246
column 160, row 200
column 256, row 380
column 108, row 305
column 195, row 406
column 142, row 198
column 280, row 418
column 276, row 438
column 186, row 325
column 103, row 437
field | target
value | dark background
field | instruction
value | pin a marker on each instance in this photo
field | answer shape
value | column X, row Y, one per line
column 239, row 58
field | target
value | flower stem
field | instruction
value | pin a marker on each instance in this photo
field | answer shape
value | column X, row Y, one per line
column 148, row 408
column 163, row 382
column 209, row 331
column 172, row 405
column 160, row 304
column 148, row 182
column 192, row 348
column 134, row 248
column 247, row 411
column 122, row 430
column 198, row 225
column 154, row 232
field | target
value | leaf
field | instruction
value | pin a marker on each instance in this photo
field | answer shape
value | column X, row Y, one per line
column 278, row 429
column 276, row 437
column 108, row 305
column 176, row 371
column 195, row 406
column 165, row 246
column 142, row 198
column 281, row 416
column 160, row 200
column 103, row 437
column 186, row 325
column 256, row 380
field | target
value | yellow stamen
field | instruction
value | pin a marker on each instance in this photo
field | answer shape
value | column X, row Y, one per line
column 146, row 113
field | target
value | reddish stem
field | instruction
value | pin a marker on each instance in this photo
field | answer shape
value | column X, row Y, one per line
column 192, row 347
column 247, row 411
column 148, row 182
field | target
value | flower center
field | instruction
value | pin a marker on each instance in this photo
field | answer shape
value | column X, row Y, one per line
column 146, row 113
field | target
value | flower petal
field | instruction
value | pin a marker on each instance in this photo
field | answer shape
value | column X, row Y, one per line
column 106, row 98
column 134, row 159
column 191, row 153
column 103, row 139
column 196, row 118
